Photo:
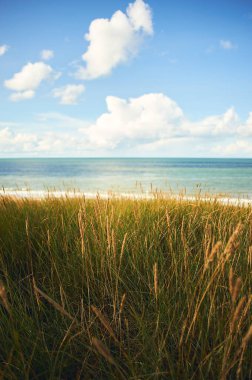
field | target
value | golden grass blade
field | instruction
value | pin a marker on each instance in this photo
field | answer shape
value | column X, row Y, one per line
column 248, row 336
column 242, row 349
column 103, row 350
column 232, row 243
column 155, row 273
column 104, row 322
column 237, row 313
column 122, row 303
column 3, row 297
column 53, row 303
column 236, row 289
column 81, row 229
column 123, row 246
column 231, row 281
column 210, row 255
column 250, row 257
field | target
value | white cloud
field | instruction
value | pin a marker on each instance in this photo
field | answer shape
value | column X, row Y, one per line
column 3, row 49
column 47, row 54
column 113, row 41
column 153, row 118
column 148, row 117
column 31, row 143
column 227, row 45
column 69, row 94
column 150, row 124
column 246, row 128
column 26, row 81
column 56, row 143
column 139, row 14
column 30, row 77
column 16, row 142
column 56, row 133
column 238, row 147
column 17, row 96
column 215, row 125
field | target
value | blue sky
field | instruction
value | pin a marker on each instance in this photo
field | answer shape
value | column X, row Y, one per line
column 154, row 78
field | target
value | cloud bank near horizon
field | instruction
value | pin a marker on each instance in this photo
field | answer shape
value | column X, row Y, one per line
column 150, row 124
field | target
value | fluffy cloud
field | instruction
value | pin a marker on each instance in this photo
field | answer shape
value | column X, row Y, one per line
column 30, row 77
column 227, row 45
column 49, row 134
column 153, row 118
column 155, row 124
column 47, row 54
column 217, row 125
column 16, row 142
column 33, row 144
column 139, row 15
column 69, row 94
column 113, row 41
column 26, row 81
column 149, row 117
column 3, row 49
column 246, row 128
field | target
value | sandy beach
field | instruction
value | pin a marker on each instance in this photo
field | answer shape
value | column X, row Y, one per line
column 42, row 194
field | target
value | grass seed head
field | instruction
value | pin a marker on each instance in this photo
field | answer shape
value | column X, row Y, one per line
column 103, row 350
column 236, row 289
column 210, row 255
column 231, row 281
column 237, row 313
column 232, row 243
column 3, row 297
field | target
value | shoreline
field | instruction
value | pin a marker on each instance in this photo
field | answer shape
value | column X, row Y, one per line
column 44, row 194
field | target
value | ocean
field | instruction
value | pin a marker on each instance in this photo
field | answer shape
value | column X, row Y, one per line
column 190, row 176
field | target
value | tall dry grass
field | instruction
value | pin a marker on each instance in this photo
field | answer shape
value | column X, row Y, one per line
column 123, row 289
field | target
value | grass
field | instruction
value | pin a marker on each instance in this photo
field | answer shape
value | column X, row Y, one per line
column 124, row 289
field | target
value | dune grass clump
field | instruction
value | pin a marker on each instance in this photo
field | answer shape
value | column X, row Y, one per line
column 125, row 289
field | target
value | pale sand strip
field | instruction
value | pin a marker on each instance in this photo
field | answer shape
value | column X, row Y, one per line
column 43, row 194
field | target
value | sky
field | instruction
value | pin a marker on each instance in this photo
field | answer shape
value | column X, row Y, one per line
column 140, row 78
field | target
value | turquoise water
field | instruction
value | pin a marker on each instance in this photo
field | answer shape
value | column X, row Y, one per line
column 232, row 177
